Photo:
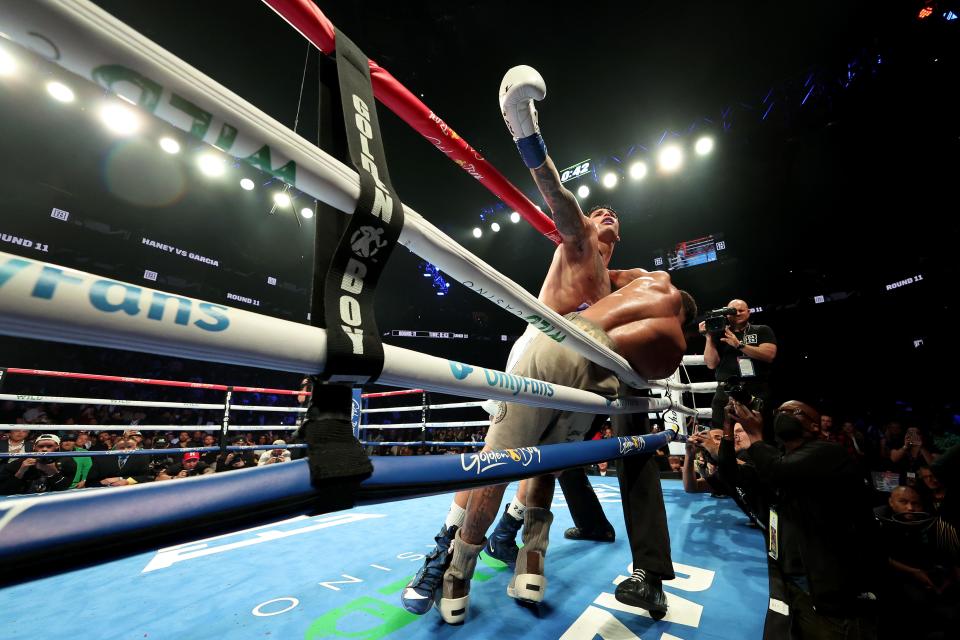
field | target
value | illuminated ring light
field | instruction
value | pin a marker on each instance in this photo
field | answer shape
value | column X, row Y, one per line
column 85, row 310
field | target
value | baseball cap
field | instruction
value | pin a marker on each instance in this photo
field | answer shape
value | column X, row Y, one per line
column 279, row 442
column 34, row 413
column 193, row 455
column 50, row 436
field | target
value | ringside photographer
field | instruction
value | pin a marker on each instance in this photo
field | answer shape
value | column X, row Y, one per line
column 741, row 355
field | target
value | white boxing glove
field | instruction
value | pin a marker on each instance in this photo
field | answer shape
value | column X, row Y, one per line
column 520, row 86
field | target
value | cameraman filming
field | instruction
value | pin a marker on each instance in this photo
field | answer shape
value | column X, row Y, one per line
column 741, row 354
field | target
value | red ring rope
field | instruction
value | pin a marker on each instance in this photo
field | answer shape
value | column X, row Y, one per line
column 305, row 17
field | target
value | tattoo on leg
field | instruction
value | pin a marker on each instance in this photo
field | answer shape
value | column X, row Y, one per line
column 482, row 509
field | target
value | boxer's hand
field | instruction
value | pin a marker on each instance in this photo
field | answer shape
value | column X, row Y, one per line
column 520, row 86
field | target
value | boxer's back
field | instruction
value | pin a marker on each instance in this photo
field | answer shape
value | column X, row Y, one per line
column 645, row 319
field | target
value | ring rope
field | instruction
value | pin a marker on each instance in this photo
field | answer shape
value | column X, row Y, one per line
column 429, row 425
column 144, row 403
column 452, row 405
column 207, row 428
column 163, row 383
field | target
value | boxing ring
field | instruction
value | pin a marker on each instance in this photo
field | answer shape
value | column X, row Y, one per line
column 48, row 533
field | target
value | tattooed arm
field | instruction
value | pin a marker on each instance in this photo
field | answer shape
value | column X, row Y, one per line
column 570, row 221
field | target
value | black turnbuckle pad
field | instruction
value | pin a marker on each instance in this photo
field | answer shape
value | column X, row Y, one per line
column 338, row 463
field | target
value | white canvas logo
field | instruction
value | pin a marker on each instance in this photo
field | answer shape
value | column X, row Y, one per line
column 60, row 214
column 150, row 275
column 598, row 618
column 241, row 539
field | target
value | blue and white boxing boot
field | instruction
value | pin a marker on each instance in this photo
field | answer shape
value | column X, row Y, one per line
column 418, row 595
column 502, row 543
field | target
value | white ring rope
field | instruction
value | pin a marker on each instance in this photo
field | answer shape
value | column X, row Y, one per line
column 208, row 428
column 108, row 401
column 428, row 425
column 452, row 405
column 145, row 403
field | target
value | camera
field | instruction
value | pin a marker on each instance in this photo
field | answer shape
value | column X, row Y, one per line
column 717, row 320
column 736, row 389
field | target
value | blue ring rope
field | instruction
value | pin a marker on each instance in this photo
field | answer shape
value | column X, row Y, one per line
column 116, row 523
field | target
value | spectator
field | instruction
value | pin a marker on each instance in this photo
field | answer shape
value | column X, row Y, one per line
column 16, row 442
column 826, row 428
column 739, row 478
column 160, row 461
column 676, row 464
column 104, row 442
column 708, row 442
column 891, row 439
column 35, row 415
column 119, row 470
column 37, row 475
column 933, row 492
column 602, row 434
column 209, row 458
column 134, row 435
column 851, row 439
column 274, row 456
column 921, row 574
column 83, row 463
column 188, row 467
column 236, row 459
column 908, row 459
column 904, row 504
column 84, row 441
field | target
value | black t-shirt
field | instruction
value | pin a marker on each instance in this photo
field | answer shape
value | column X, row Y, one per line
column 752, row 335
column 912, row 542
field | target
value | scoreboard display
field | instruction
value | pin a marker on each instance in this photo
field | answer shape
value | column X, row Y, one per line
column 690, row 253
